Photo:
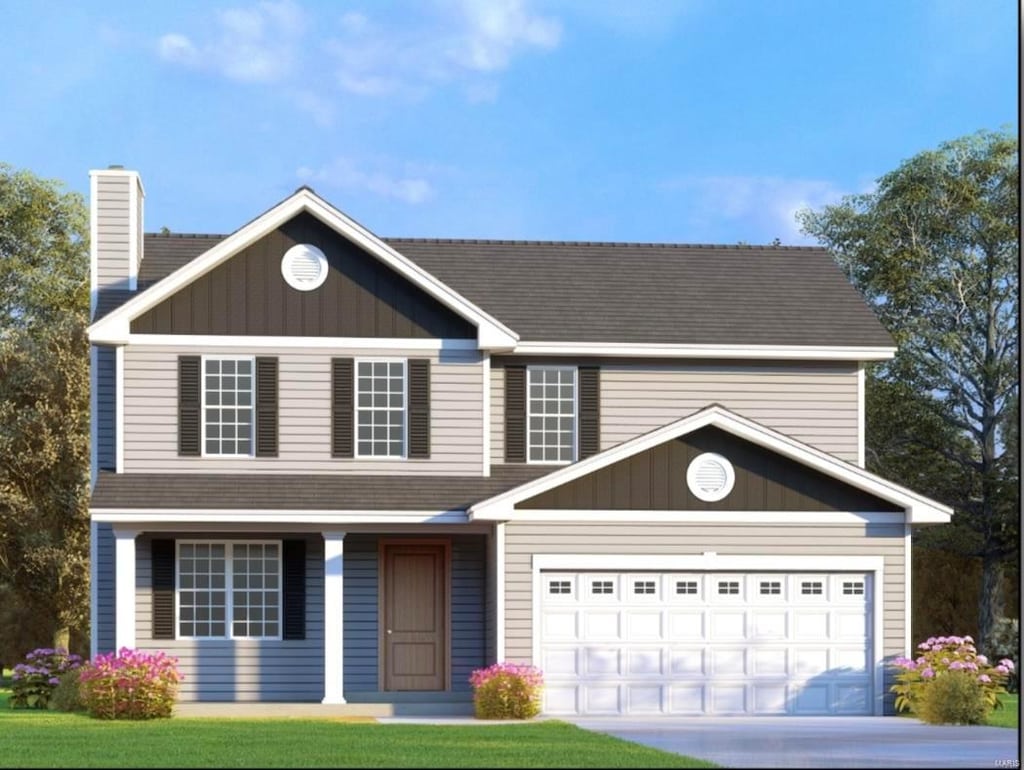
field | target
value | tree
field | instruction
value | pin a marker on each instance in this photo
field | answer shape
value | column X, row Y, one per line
column 44, row 413
column 934, row 249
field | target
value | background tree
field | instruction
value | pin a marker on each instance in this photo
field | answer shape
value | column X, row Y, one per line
column 934, row 249
column 44, row 414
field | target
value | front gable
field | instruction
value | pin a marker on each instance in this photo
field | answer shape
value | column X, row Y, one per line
column 247, row 294
column 655, row 480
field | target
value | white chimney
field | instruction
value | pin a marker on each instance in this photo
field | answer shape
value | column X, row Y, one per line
column 116, row 200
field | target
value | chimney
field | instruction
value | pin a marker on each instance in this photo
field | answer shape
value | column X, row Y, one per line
column 115, row 207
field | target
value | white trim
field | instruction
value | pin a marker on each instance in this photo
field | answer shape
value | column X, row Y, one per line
column 713, row 495
column 94, row 242
column 220, row 357
column 920, row 509
column 94, row 408
column 713, row 562
column 658, row 350
column 124, row 588
column 861, row 427
column 244, row 516
column 119, row 172
column 575, row 411
column 499, row 599
column 229, row 589
column 405, row 407
column 94, row 588
column 133, row 235
column 119, row 409
column 334, row 604
column 288, row 266
column 709, row 517
column 486, row 432
column 907, row 593
column 491, row 333
column 341, row 344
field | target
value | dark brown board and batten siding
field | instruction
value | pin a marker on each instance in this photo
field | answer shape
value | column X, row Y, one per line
column 362, row 297
column 656, row 480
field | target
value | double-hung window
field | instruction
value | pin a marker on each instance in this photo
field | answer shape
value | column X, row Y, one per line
column 381, row 409
column 227, row 406
column 551, row 414
column 229, row 590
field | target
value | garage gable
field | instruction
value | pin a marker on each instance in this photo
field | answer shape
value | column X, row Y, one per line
column 656, row 480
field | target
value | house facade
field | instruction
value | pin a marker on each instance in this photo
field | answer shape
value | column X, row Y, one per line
column 332, row 467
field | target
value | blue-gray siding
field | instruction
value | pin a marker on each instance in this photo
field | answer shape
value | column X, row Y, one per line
column 104, row 588
column 105, row 408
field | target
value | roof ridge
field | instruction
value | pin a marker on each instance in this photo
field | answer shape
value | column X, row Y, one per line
column 185, row 235
column 615, row 244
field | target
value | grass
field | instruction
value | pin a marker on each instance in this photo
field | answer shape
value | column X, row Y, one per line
column 49, row 739
column 1008, row 715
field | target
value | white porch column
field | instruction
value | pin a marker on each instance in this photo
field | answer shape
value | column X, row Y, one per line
column 124, row 588
column 334, row 597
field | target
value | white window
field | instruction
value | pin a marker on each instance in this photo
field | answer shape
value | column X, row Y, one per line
column 227, row 406
column 229, row 590
column 380, row 409
column 551, row 414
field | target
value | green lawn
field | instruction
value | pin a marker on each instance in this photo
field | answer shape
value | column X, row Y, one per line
column 49, row 739
column 1009, row 714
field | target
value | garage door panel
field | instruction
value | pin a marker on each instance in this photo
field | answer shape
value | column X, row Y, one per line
column 706, row 643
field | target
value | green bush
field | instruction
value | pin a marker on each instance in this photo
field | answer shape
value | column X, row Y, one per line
column 131, row 684
column 66, row 696
column 507, row 691
column 956, row 698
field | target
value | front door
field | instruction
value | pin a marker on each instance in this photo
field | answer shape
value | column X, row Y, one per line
column 414, row 614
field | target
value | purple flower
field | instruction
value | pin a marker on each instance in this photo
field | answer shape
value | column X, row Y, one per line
column 928, row 673
column 1001, row 669
column 54, row 681
column 956, row 665
column 1006, row 663
column 983, row 660
column 984, row 679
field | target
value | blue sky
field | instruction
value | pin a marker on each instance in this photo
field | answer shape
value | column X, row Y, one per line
column 629, row 120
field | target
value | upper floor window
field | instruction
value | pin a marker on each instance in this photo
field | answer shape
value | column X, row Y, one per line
column 551, row 414
column 227, row 406
column 380, row 409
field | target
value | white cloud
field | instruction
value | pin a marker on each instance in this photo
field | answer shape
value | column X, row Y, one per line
column 765, row 205
column 343, row 174
column 494, row 29
column 259, row 44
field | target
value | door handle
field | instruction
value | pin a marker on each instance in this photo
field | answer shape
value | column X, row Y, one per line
column 389, row 632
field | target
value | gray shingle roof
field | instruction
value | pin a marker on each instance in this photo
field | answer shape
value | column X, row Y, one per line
column 236, row 491
column 622, row 292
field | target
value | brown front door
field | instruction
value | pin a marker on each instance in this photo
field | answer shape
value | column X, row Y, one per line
column 414, row 614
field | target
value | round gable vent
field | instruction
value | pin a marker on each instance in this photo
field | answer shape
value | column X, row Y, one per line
column 304, row 267
column 710, row 477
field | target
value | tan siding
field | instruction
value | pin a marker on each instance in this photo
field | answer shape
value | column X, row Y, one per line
column 814, row 404
column 524, row 539
column 150, row 406
column 113, row 217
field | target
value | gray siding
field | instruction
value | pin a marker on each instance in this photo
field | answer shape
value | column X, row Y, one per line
column 106, row 386
column 242, row 670
column 816, row 404
column 151, row 414
column 113, row 230
column 468, row 629
column 105, row 639
column 524, row 539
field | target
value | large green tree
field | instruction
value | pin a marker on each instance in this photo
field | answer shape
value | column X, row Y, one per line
column 934, row 248
column 44, row 413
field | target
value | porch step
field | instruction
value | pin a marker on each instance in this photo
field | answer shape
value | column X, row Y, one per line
column 321, row 710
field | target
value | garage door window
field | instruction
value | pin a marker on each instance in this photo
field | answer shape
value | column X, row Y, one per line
column 686, row 587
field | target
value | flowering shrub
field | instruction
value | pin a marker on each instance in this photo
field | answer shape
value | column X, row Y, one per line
column 953, row 699
column 131, row 684
column 507, row 691
column 942, row 656
column 33, row 682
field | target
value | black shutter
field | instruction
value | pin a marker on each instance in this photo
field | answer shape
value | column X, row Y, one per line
column 266, row 407
column 189, row 431
column 293, row 562
column 590, row 411
column 342, row 406
column 515, row 414
column 419, row 408
column 162, row 558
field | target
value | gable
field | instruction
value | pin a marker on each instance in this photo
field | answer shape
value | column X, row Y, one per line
column 655, row 479
column 247, row 295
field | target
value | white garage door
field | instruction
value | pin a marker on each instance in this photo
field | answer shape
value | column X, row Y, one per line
column 706, row 643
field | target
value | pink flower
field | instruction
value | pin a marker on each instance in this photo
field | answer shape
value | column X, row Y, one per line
column 928, row 673
column 984, row 679
column 1007, row 663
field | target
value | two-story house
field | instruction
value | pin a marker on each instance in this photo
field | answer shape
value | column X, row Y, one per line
column 332, row 467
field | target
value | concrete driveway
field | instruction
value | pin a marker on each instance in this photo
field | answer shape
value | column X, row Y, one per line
column 825, row 742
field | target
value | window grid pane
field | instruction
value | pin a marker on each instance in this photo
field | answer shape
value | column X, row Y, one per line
column 551, row 414
column 227, row 406
column 380, row 411
column 255, row 568
column 202, row 601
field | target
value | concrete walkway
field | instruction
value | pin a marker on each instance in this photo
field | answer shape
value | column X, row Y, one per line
column 822, row 742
